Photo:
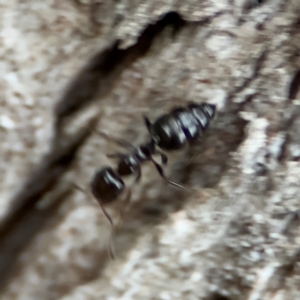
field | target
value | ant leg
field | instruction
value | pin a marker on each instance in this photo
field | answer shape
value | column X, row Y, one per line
column 127, row 198
column 110, row 246
column 125, row 204
column 164, row 158
column 161, row 173
column 76, row 186
column 107, row 215
column 118, row 155
column 101, row 206
column 139, row 175
column 121, row 142
column 147, row 123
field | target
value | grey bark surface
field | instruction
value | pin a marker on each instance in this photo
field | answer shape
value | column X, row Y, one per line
column 235, row 235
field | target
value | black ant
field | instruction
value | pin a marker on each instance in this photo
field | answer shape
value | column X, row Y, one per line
column 169, row 132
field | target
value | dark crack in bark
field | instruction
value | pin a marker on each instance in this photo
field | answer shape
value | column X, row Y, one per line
column 258, row 65
column 96, row 78
column 294, row 86
column 18, row 236
column 106, row 66
column 22, row 221
column 252, row 4
column 103, row 70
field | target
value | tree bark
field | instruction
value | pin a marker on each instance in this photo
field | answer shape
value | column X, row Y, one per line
column 72, row 68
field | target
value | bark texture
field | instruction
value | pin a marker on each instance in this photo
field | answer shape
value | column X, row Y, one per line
column 71, row 66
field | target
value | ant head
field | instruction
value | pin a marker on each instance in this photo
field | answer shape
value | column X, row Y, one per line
column 106, row 185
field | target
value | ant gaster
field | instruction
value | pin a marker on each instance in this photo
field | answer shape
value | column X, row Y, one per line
column 182, row 125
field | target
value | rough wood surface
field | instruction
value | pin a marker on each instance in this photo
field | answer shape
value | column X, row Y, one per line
column 70, row 66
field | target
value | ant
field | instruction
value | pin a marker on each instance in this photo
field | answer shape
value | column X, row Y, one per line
column 169, row 132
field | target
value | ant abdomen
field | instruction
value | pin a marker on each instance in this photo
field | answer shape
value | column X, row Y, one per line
column 203, row 113
column 167, row 133
column 182, row 125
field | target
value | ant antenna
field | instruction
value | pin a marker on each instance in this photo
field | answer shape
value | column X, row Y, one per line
column 110, row 245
